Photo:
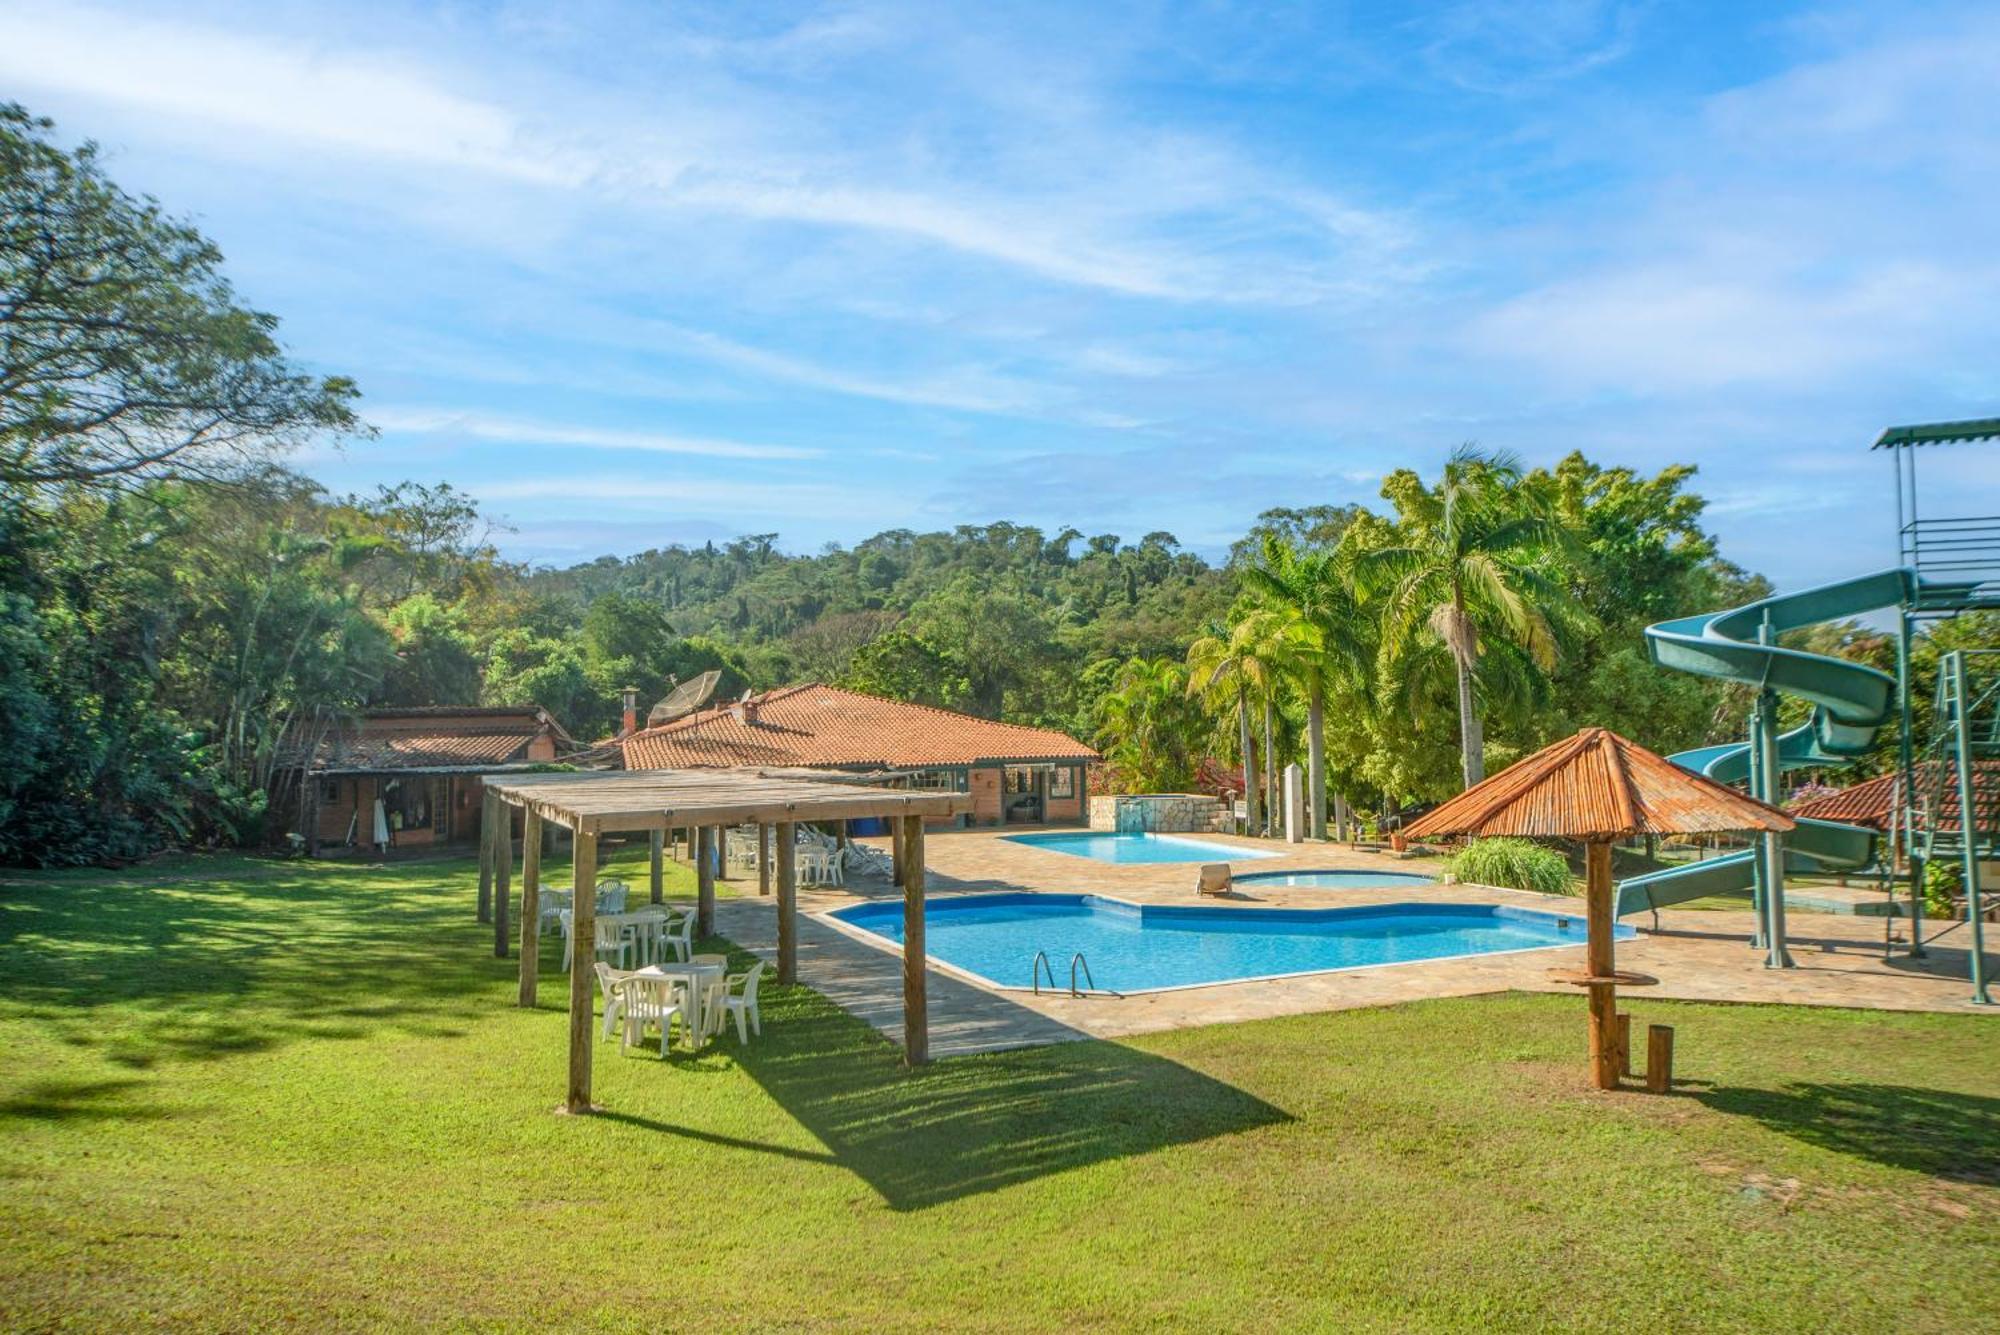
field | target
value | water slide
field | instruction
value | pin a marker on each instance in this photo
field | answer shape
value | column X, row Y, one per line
column 1851, row 704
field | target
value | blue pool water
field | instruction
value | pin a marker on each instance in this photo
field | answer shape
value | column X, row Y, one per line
column 1337, row 880
column 1106, row 847
column 1137, row 949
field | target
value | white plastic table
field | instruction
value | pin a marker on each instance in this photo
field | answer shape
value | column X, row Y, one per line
column 697, row 975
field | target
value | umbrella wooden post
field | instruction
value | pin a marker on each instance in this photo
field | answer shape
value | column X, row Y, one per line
column 1603, row 995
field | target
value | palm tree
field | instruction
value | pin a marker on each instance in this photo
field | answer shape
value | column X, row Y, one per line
column 1144, row 724
column 1232, row 662
column 1317, row 636
column 1463, row 570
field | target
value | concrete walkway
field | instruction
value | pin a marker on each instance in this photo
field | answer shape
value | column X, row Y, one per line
column 868, row 983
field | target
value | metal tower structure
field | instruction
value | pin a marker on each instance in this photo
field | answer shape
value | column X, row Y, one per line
column 1946, row 813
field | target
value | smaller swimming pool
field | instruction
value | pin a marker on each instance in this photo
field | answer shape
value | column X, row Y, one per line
column 1346, row 879
column 1103, row 846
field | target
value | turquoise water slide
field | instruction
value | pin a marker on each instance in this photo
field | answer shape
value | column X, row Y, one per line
column 1851, row 704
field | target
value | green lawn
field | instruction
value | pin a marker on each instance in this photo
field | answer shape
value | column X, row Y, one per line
column 238, row 1094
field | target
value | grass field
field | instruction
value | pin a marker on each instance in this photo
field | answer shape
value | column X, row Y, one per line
column 240, row 1094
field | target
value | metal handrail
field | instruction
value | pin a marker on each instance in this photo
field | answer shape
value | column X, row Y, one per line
column 1042, row 962
column 1078, row 959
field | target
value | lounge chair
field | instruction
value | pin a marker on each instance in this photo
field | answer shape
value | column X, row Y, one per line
column 1214, row 879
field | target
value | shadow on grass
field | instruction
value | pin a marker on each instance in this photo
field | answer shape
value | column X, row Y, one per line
column 1939, row 1132
column 966, row 1125
column 80, row 1100
column 250, row 956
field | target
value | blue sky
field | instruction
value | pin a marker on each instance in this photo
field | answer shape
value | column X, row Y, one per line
column 642, row 273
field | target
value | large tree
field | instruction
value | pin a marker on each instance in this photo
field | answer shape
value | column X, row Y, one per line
column 123, row 351
column 1313, row 629
column 1468, row 566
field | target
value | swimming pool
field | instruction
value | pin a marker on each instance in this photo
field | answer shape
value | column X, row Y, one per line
column 1151, row 948
column 1344, row 879
column 1103, row 846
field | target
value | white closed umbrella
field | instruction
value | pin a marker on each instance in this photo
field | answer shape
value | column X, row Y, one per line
column 381, row 824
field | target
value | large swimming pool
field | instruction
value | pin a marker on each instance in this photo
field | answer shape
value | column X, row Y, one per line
column 1134, row 948
column 1102, row 846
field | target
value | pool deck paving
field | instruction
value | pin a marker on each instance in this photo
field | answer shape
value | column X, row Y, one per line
column 1697, row 955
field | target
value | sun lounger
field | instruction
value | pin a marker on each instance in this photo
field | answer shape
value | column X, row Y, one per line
column 1214, row 879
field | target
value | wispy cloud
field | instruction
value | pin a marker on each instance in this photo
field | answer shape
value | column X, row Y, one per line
column 369, row 103
column 452, row 423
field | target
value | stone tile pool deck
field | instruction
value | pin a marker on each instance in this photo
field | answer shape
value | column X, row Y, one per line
column 1698, row 955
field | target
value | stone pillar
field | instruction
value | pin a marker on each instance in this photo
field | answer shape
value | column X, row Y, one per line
column 1295, row 804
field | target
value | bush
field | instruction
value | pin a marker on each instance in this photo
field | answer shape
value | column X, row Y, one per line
column 1514, row 864
column 1942, row 881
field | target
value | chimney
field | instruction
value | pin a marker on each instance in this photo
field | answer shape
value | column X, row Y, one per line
column 745, row 710
column 631, row 712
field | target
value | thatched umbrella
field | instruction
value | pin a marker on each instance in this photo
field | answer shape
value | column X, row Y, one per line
column 1598, row 787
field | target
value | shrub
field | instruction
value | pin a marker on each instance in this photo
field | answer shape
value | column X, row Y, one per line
column 1515, row 864
column 1942, row 880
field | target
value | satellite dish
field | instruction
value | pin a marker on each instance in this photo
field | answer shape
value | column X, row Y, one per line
column 685, row 698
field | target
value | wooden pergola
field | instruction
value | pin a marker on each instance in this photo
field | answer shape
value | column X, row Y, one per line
column 655, row 801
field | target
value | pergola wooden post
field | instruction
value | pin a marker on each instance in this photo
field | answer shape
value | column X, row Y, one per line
column 503, row 881
column 489, row 814
column 704, row 880
column 591, row 804
column 656, row 864
column 531, row 904
column 916, row 1004
column 582, row 974
column 763, row 859
column 1599, row 922
column 788, row 903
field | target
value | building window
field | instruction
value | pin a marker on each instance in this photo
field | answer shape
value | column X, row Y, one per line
column 935, row 780
column 1062, row 782
column 329, row 790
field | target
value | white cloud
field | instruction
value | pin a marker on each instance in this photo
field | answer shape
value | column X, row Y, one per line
column 367, row 103
column 483, row 426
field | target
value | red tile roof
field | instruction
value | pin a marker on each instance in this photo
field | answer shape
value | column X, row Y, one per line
column 1872, row 803
column 434, row 737
column 818, row 726
column 1597, row 785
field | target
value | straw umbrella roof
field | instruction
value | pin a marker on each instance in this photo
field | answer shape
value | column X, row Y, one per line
column 1598, row 785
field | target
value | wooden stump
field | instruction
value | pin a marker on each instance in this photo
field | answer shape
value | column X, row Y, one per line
column 1659, row 1058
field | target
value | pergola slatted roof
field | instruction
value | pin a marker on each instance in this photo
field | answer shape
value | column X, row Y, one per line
column 633, row 800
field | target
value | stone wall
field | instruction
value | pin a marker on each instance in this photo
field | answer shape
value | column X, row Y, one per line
column 1161, row 813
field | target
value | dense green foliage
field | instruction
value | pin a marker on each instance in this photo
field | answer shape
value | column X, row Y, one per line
column 315, row 1103
column 1513, row 864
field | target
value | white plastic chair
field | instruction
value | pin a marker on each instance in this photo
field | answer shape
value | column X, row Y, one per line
column 612, row 983
column 554, row 903
column 741, row 1004
column 677, row 935
column 611, row 897
column 612, row 940
column 650, row 1000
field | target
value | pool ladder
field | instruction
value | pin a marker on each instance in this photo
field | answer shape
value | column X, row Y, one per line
column 1077, row 961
